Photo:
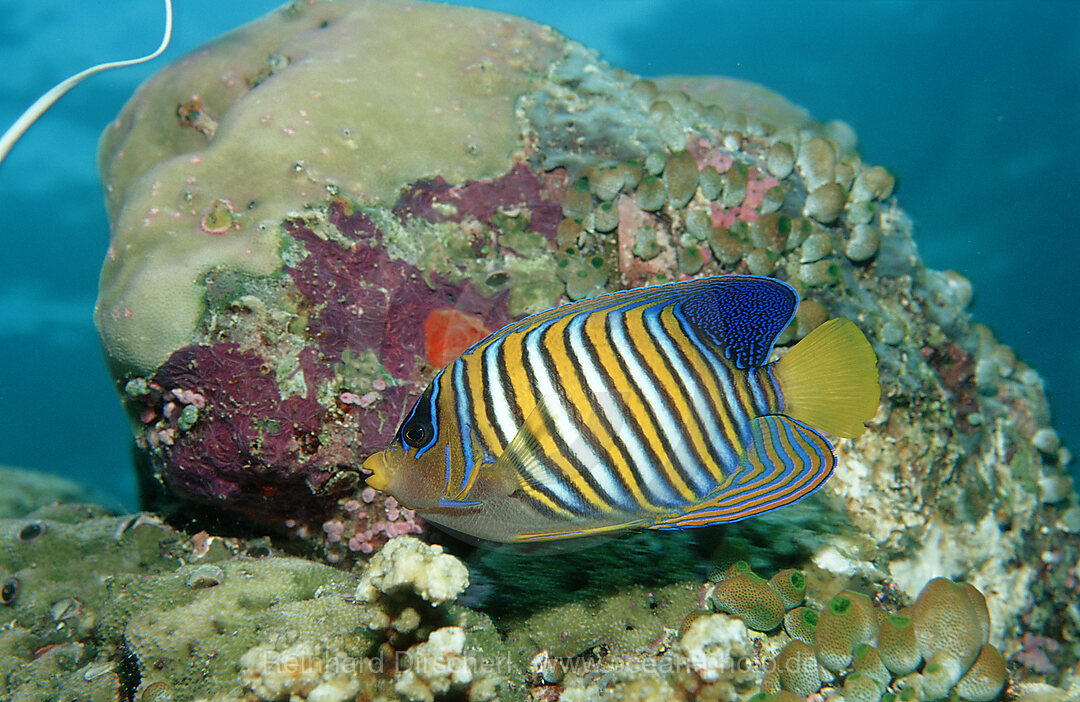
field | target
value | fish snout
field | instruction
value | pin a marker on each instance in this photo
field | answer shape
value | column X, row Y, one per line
column 380, row 471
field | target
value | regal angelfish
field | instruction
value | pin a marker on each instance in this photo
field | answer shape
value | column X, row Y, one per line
column 654, row 408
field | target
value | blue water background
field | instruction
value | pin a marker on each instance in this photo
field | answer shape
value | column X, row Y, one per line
column 976, row 105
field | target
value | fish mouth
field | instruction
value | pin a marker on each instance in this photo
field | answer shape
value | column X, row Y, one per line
column 380, row 472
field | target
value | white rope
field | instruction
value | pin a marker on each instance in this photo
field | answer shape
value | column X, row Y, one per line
column 43, row 103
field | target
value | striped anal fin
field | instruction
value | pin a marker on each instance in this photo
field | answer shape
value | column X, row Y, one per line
column 786, row 462
column 572, row 533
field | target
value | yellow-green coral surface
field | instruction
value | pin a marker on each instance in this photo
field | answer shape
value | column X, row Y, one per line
column 211, row 153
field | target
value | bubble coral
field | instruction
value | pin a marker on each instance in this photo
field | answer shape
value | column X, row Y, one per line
column 897, row 644
column 843, row 625
column 798, row 668
column 952, row 618
column 860, row 687
column 800, row 623
column 750, row 598
column 986, row 678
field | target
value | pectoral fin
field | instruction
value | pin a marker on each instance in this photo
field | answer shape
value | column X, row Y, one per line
column 524, row 462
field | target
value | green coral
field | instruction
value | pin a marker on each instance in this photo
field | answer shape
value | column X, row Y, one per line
column 986, row 677
column 584, row 271
column 874, row 650
column 631, row 620
column 190, row 632
column 899, row 649
column 800, row 623
column 860, row 687
column 751, row 599
column 798, row 668
column 761, row 604
column 680, row 178
column 846, row 622
column 54, row 566
column 791, row 586
column 951, row 618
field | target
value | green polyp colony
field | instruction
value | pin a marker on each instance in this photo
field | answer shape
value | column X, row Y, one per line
column 680, row 178
column 690, row 260
column 800, row 624
column 843, row 625
column 799, row 670
column 651, row 193
column 579, row 201
column 872, row 653
column 698, row 224
column 584, row 274
column 729, row 245
column 859, row 687
column 608, row 181
column 772, row 232
column 896, row 639
column 761, row 604
column 605, row 217
column 751, row 599
column 710, row 182
column 735, row 181
column 791, row 585
column 867, row 661
column 982, row 682
column 646, row 247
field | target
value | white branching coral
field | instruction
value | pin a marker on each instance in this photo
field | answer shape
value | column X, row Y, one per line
column 408, row 564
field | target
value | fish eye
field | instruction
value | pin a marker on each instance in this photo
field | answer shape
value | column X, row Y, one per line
column 417, row 433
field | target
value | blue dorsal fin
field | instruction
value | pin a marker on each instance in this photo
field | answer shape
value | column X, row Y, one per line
column 741, row 314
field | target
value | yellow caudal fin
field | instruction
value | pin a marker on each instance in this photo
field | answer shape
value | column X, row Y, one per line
column 829, row 379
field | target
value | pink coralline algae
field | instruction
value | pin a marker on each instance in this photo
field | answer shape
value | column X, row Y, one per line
column 241, row 441
column 1034, row 656
column 358, row 525
column 361, row 299
column 364, row 525
column 758, row 184
column 236, row 423
column 541, row 196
